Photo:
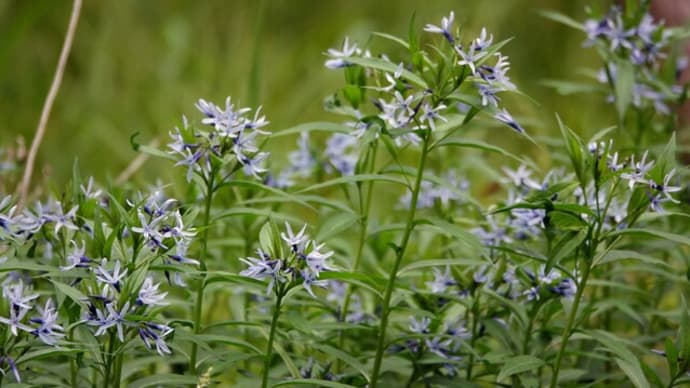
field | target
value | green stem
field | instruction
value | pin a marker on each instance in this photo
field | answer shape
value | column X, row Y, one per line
column 271, row 336
column 567, row 330
column 202, row 266
column 73, row 367
column 109, row 362
column 117, row 376
column 530, row 325
column 73, row 372
column 390, row 285
column 475, row 321
column 365, row 205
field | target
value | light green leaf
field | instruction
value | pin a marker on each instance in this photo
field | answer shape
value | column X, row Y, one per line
column 519, row 364
column 163, row 379
column 624, row 83
column 312, row 382
column 380, row 64
column 322, row 126
column 345, row 357
column 392, row 38
column 362, row 280
column 681, row 239
column 563, row 19
column 478, row 144
column 353, row 179
column 634, row 372
column 156, row 152
column 440, row 263
column 70, row 291
column 566, row 248
column 618, row 255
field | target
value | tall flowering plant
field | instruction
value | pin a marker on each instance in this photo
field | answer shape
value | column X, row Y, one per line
column 377, row 254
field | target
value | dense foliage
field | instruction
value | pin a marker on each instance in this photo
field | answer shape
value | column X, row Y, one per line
column 368, row 258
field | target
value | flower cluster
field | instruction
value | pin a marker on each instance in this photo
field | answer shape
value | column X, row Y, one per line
column 405, row 104
column 451, row 189
column 162, row 229
column 340, row 155
column 297, row 259
column 489, row 80
column 441, row 339
column 233, row 137
column 642, row 42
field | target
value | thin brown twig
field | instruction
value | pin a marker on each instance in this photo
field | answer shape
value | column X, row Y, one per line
column 135, row 164
column 23, row 188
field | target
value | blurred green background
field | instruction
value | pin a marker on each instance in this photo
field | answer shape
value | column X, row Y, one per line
column 137, row 66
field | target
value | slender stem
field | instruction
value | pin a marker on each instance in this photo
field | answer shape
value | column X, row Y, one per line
column 567, row 330
column 73, row 371
column 48, row 104
column 365, row 205
column 73, row 367
column 202, row 266
column 390, row 285
column 109, row 362
column 530, row 326
column 117, row 376
column 271, row 336
column 475, row 321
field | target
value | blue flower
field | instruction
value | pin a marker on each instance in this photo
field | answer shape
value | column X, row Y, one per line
column 505, row 117
column 445, row 29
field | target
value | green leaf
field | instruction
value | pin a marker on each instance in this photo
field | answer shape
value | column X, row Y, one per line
column 478, row 144
column 392, row 38
column 345, row 357
column 221, row 277
column 322, row 126
column 354, row 94
column 568, row 244
column 156, row 152
column 684, row 333
column 263, row 187
column 370, row 283
column 573, row 145
column 563, row 19
column 24, row 265
column 613, row 344
column 440, row 263
column 335, row 225
column 294, row 371
column 671, row 356
column 468, row 240
column 519, row 364
column 45, row 352
column 312, row 382
column 205, row 340
column 70, row 291
column 619, row 254
column 380, row 64
column 355, row 178
column 412, row 35
column 247, row 211
column 678, row 238
column 634, row 372
column 165, row 379
column 517, row 308
column 623, row 87
column 566, row 88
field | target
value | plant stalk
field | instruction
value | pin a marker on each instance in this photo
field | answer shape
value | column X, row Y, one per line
column 271, row 336
column 390, row 285
column 202, row 266
column 567, row 330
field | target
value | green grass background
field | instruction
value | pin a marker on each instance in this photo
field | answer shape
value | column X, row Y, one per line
column 138, row 65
